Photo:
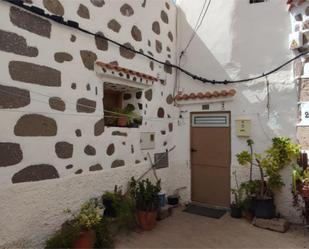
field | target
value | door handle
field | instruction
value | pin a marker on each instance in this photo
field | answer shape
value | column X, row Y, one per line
column 193, row 150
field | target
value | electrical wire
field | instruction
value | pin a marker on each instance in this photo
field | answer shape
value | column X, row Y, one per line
column 194, row 30
column 20, row 3
column 197, row 26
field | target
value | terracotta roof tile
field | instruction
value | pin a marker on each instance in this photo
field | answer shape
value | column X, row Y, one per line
column 125, row 70
column 207, row 95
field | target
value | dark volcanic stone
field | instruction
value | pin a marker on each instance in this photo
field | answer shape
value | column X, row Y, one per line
column 34, row 125
column 127, row 53
column 88, row 59
column 98, row 3
column 119, row 133
column 167, row 67
column 99, row 127
column 148, row 94
column 90, row 150
column 78, row 172
column 86, row 105
column 170, row 127
column 170, row 36
column 138, row 95
column 13, row 97
column 54, row 6
column 30, row 22
column 57, row 103
column 110, row 149
column 10, row 154
column 70, row 166
column 73, row 38
column 169, row 99
column 35, row 74
column 96, row 167
column 158, row 46
column 151, row 65
column 126, row 10
column 114, row 25
column 62, row 57
column 164, row 17
column 156, row 27
column 136, row 33
column 161, row 112
column 83, row 11
column 14, row 43
column 118, row 163
column 78, row 133
column 64, row 150
column 35, row 173
column 101, row 43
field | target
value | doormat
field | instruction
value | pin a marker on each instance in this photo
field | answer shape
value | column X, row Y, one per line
column 205, row 211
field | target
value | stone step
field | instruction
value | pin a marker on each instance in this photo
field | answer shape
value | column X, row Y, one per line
column 276, row 224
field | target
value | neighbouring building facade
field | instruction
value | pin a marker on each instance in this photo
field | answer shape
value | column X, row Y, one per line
column 60, row 87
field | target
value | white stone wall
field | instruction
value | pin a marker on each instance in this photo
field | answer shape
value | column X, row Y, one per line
column 33, row 199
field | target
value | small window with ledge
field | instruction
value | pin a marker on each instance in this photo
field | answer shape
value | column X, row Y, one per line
column 123, row 94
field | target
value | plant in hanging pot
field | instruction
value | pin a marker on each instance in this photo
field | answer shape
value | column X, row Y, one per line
column 87, row 218
column 281, row 154
column 147, row 202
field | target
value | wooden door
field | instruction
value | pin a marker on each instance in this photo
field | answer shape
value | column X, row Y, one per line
column 211, row 158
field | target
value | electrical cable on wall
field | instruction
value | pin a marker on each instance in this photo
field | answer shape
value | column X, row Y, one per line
column 202, row 79
column 197, row 26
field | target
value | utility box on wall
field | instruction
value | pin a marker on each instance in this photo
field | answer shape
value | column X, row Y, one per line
column 147, row 140
column 243, row 127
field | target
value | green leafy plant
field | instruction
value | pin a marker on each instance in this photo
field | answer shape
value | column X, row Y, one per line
column 87, row 217
column 124, row 208
column 104, row 237
column 129, row 112
column 281, row 154
column 145, row 194
column 65, row 237
column 237, row 192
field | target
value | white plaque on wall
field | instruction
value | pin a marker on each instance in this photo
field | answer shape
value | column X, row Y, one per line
column 304, row 114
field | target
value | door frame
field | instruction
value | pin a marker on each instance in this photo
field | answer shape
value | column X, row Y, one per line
column 230, row 159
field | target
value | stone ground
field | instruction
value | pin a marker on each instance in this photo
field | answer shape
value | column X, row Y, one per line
column 184, row 230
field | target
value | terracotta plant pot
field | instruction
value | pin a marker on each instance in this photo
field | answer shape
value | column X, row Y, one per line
column 147, row 220
column 86, row 239
column 122, row 121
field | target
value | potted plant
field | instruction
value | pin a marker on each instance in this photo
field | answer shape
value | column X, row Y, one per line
column 250, row 189
column 282, row 153
column 147, row 202
column 236, row 206
column 125, row 115
column 87, row 218
column 110, row 201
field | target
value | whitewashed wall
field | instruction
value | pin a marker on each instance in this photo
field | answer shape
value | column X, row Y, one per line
column 31, row 209
column 238, row 40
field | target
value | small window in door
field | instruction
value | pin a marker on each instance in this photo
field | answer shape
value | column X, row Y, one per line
column 211, row 120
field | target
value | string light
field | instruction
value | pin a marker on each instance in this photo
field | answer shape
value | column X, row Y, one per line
column 75, row 25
